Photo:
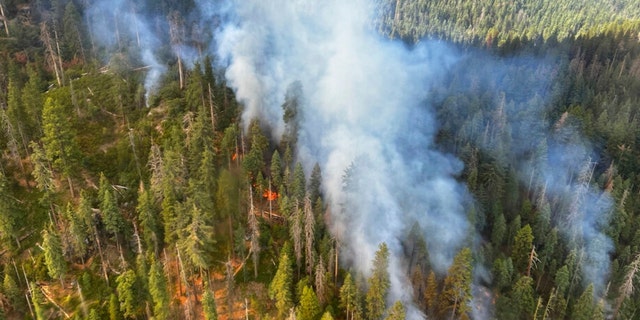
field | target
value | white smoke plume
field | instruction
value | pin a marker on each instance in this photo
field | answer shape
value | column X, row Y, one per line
column 363, row 110
column 551, row 157
column 366, row 120
column 120, row 26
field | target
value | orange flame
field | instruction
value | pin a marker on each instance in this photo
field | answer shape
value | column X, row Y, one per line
column 270, row 195
column 234, row 157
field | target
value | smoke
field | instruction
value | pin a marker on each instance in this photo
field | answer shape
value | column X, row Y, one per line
column 550, row 156
column 366, row 117
column 363, row 119
column 118, row 26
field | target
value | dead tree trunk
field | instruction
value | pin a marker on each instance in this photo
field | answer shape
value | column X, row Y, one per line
column 51, row 56
column 176, row 33
column 4, row 20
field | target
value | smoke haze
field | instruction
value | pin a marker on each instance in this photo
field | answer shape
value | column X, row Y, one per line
column 363, row 109
column 365, row 118
column 550, row 157
column 119, row 26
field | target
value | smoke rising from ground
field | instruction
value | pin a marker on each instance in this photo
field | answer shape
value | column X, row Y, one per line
column 362, row 110
column 119, row 26
column 551, row 157
column 365, row 119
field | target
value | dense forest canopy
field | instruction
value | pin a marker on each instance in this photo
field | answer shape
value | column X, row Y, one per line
column 403, row 159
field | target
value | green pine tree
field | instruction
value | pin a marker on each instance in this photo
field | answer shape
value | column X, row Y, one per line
column 309, row 308
column 53, row 256
column 456, row 293
column 209, row 305
column 111, row 217
column 379, row 284
column 77, row 232
column 523, row 243
column 7, row 213
column 114, row 308
column 276, row 169
column 158, row 289
column 585, row 307
column 397, row 312
column 348, row 296
column 129, row 294
column 431, row 293
column 299, row 185
column 149, row 219
column 196, row 240
column 280, row 287
column 327, row 316
column 59, row 140
column 522, row 298
column 37, row 301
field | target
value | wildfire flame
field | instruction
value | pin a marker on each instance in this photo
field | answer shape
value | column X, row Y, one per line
column 234, row 157
column 270, row 195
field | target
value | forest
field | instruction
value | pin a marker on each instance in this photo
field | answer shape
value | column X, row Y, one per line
column 311, row 160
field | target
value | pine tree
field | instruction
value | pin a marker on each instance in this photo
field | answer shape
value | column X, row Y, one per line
column 32, row 100
column 72, row 37
column 499, row 230
column 254, row 161
column 291, row 115
column 84, row 212
column 298, row 188
column 584, row 309
column 172, row 185
column 11, row 136
column 194, row 92
column 159, row 291
column 254, row 230
column 327, row 316
column 53, row 257
column 77, row 232
column 280, row 287
column 348, row 296
column 379, row 284
column 431, row 293
column 10, row 287
column 37, row 301
column 94, row 315
column 229, row 144
column 114, row 308
column 149, row 219
column 315, row 183
column 309, row 236
column 196, row 240
column 7, row 213
column 42, row 173
column 227, row 196
column 209, row 304
column 15, row 112
column 562, row 279
column 111, row 217
column 397, row 312
column 59, row 139
column 276, row 170
column 522, row 298
column 523, row 243
column 309, row 308
column 203, row 184
column 129, row 294
column 456, row 292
